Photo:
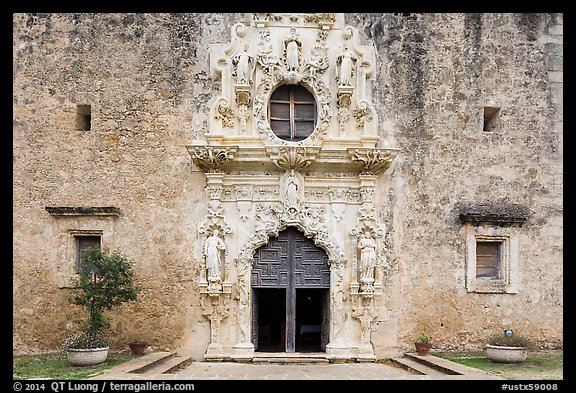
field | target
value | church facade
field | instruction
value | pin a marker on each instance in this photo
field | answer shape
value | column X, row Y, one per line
column 328, row 183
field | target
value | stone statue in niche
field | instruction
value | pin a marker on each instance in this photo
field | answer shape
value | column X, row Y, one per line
column 346, row 62
column 367, row 247
column 244, row 63
column 212, row 250
column 292, row 190
column 292, row 46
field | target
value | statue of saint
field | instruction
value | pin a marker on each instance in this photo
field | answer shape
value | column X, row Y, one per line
column 292, row 190
column 212, row 249
column 367, row 247
column 244, row 66
column 292, row 45
column 346, row 61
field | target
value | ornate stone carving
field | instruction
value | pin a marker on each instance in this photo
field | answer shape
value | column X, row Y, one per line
column 225, row 113
column 243, row 315
column 324, row 20
column 272, row 218
column 269, row 189
column 365, row 310
column 261, row 19
column 362, row 114
column 215, row 307
column 211, row 158
column 374, row 161
column 292, row 157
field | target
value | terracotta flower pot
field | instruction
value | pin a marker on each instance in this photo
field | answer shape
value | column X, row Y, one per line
column 422, row 348
column 138, row 348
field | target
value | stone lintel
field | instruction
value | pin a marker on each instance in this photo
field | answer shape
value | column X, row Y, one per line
column 499, row 214
column 83, row 210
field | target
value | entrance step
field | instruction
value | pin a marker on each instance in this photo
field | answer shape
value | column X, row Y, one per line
column 295, row 357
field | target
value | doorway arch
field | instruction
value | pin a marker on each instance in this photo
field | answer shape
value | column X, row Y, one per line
column 290, row 282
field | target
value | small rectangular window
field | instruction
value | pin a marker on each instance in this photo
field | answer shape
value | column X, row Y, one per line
column 83, row 117
column 488, row 260
column 84, row 242
column 490, row 118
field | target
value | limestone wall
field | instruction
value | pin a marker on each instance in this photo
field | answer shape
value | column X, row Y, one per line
column 146, row 77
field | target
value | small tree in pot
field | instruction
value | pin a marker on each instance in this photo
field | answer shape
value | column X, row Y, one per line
column 104, row 282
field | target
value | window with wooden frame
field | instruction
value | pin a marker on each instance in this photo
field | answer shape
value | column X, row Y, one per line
column 488, row 260
column 83, row 243
column 292, row 112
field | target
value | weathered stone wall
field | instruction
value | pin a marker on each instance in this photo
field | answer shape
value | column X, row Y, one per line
column 437, row 72
column 146, row 77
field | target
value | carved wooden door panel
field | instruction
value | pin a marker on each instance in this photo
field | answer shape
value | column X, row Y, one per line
column 289, row 261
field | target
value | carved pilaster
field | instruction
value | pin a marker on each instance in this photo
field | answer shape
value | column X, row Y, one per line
column 365, row 310
column 215, row 229
column 215, row 307
column 243, row 349
column 366, row 243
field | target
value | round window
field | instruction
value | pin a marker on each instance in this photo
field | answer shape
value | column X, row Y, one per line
column 292, row 112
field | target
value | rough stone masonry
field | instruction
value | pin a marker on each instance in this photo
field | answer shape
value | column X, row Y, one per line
column 104, row 105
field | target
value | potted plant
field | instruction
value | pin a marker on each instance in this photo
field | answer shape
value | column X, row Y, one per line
column 104, row 282
column 423, row 345
column 138, row 346
column 507, row 347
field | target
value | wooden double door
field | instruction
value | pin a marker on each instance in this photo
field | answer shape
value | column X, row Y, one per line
column 290, row 295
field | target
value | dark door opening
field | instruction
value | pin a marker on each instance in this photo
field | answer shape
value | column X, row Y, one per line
column 308, row 319
column 271, row 319
column 290, row 280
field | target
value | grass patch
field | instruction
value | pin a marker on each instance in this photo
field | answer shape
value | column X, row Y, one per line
column 56, row 366
column 538, row 364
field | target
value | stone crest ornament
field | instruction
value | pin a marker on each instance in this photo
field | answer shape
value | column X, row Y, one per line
column 320, row 186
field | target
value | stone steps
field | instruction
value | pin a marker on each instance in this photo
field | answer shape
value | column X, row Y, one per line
column 140, row 364
column 169, row 365
column 416, row 367
column 289, row 358
column 439, row 368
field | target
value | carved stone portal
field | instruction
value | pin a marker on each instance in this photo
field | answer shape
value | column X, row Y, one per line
column 325, row 185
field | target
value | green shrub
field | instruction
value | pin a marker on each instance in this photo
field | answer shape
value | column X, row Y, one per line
column 514, row 340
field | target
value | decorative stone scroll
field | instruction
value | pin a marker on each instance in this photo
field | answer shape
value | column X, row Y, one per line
column 374, row 161
column 211, row 158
